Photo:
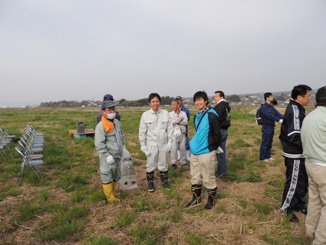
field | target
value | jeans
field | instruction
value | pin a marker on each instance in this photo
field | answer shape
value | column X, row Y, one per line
column 266, row 143
column 221, row 166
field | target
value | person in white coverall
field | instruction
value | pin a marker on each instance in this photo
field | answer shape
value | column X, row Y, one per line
column 155, row 131
column 179, row 121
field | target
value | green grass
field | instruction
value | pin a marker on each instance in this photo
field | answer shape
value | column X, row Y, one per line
column 68, row 206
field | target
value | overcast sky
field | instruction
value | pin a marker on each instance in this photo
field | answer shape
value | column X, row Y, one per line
column 53, row 50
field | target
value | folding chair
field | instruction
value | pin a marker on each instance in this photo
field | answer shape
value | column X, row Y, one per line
column 6, row 135
column 4, row 143
column 32, row 141
column 27, row 161
column 32, row 134
column 30, row 152
column 31, row 148
column 38, row 134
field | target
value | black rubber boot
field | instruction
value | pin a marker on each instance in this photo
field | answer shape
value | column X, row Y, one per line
column 196, row 196
column 150, row 179
column 211, row 193
column 164, row 179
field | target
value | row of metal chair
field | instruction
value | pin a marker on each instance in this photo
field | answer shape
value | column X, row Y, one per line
column 5, row 140
column 30, row 147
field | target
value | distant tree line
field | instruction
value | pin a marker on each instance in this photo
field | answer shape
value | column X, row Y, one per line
column 233, row 98
column 65, row 103
column 165, row 100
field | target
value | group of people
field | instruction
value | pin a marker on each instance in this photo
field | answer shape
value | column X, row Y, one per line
column 303, row 140
column 161, row 132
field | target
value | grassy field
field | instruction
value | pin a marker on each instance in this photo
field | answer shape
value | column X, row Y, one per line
column 68, row 206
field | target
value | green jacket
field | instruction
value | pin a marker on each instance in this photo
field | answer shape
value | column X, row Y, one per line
column 313, row 136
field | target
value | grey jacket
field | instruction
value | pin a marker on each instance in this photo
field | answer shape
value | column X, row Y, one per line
column 109, row 143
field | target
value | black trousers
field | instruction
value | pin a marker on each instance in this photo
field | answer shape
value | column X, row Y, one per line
column 296, row 185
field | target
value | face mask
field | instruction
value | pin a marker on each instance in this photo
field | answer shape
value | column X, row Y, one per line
column 110, row 115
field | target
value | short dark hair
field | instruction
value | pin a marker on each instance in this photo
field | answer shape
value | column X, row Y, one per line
column 152, row 96
column 221, row 93
column 201, row 94
column 301, row 89
column 176, row 100
column 321, row 96
column 266, row 95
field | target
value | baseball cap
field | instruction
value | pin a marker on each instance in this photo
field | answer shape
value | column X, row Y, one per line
column 321, row 96
column 108, row 104
column 178, row 97
column 108, row 97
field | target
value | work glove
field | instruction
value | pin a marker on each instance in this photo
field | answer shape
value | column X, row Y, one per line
column 219, row 150
column 110, row 160
column 168, row 146
column 145, row 150
column 281, row 120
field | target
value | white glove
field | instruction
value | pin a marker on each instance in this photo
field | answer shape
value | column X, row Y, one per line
column 168, row 146
column 219, row 150
column 110, row 159
column 281, row 120
column 145, row 150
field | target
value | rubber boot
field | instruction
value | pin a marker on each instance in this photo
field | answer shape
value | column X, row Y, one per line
column 164, row 179
column 150, row 179
column 109, row 194
column 211, row 193
column 115, row 183
column 196, row 196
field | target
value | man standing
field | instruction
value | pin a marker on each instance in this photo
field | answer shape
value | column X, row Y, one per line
column 186, row 110
column 179, row 121
column 155, row 131
column 313, row 134
column 203, row 151
column 296, row 185
column 223, row 111
column 109, row 143
column 269, row 116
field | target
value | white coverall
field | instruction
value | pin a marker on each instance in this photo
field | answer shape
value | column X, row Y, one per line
column 155, row 131
column 179, row 122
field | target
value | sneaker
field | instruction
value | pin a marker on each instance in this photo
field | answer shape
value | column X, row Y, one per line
column 302, row 210
column 272, row 159
column 174, row 166
column 265, row 160
column 291, row 216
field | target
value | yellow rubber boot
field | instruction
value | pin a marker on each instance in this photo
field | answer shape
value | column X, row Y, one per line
column 114, row 186
column 109, row 194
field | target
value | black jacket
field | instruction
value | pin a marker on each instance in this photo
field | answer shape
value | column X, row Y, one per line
column 290, row 130
column 223, row 111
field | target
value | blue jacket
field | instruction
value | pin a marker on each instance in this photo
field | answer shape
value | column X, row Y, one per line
column 270, row 115
column 208, row 135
